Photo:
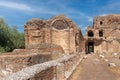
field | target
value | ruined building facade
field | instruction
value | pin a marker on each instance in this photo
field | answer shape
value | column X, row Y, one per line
column 58, row 30
column 104, row 35
column 52, row 40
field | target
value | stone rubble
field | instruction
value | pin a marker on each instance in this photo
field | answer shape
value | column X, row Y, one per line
column 101, row 56
column 111, row 64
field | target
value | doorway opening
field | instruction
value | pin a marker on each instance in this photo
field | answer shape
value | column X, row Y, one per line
column 101, row 33
column 90, row 47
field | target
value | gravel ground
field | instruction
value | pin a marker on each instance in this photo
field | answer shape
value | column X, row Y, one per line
column 93, row 68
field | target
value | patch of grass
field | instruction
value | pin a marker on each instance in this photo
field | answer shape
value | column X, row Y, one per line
column 2, row 49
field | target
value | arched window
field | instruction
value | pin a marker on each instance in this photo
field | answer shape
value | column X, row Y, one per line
column 101, row 33
column 60, row 24
column 90, row 34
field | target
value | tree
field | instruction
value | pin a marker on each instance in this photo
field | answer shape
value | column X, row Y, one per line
column 10, row 38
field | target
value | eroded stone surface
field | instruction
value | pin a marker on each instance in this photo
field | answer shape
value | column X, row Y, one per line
column 59, row 36
column 58, row 30
column 104, row 34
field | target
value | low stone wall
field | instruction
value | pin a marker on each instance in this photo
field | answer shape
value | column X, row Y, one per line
column 21, row 58
column 59, row 69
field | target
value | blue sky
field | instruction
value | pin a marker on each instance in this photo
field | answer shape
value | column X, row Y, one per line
column 82, row 12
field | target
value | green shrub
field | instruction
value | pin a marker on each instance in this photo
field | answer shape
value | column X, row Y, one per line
column 10, row 38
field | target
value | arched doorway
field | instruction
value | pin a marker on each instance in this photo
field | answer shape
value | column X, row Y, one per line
column 90, row 47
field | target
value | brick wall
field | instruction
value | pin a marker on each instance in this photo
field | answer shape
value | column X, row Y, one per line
column 59, row 69
column 18, row 59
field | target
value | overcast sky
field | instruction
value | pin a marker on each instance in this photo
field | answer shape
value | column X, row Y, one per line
column 82, row 12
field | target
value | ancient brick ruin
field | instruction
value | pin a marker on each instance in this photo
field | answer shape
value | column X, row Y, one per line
column 58, row 30
column 104, row 35
column 46, row 40
column 54, row 47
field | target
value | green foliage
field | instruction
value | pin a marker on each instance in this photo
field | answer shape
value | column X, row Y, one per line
column 10, row 38
column 2, row 49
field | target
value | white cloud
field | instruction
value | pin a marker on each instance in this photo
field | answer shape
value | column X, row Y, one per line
column 54, row 7
column 48, row 9
column 103, row 14
column 90, row 19
column 63, row 9
column 43, row 10
column 15, row 5
column 112, row 6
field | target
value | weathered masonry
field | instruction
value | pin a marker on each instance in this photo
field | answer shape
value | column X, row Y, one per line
column 58, row 30
column 56, row 46
column 104, row 35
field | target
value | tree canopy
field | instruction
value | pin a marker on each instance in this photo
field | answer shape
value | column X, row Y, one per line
column 10, row 38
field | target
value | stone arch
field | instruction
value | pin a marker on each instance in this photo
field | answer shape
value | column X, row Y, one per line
column 60, row 33
column 60, row 24
column 90, row 33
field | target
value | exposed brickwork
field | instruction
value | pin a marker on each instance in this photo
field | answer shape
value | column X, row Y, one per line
column 106, row 30
column 52, row 70
column 55, row 38
column 58, row 30
column 18, row 59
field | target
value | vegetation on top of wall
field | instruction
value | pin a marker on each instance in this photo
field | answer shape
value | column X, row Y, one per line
column 10, row 38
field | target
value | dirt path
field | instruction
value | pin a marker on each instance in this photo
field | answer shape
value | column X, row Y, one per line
column 92, row 69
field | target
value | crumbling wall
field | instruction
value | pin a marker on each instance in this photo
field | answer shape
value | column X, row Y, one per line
column 61, row 33
column 19, row 59
column 108, row 24
column 61, row 38
column 110, row 27
column 58, row 30
column 59, row 69
column 34, row 32
column 114, row 46
column 14, row 63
